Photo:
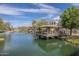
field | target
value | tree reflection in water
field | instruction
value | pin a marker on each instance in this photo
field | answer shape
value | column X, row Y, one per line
column 46, row 45
column 1, row 45
column 2, row 42
column 56, row 47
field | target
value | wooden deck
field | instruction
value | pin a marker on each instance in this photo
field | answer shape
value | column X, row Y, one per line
column 46, row 35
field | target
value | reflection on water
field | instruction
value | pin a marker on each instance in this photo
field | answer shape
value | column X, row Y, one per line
column 2, row 42
column 1, row 45
column 24, row 44
column 46, row 45
column 56, row 47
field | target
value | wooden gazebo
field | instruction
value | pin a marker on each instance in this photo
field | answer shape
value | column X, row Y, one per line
column 48, row 31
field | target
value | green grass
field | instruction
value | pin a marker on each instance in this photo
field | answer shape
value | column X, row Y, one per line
column 73, row 40
column 1, row 39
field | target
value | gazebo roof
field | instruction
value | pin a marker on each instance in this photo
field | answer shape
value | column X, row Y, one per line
column 50, row 26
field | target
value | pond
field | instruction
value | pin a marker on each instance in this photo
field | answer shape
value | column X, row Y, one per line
column 23, row 44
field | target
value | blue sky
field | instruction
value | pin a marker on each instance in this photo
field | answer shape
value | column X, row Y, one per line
column 22, row 14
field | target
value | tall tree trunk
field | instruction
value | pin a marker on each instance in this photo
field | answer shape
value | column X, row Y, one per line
column 70, row 32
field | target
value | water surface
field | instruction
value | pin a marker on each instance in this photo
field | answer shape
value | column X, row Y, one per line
column 22, row 44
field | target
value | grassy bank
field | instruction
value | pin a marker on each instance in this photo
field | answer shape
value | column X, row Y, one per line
column 1, row 39
column 73, row 40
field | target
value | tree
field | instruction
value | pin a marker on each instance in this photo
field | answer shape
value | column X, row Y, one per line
column 2, row 26
column 42, row 22
column 70, row 19
column 39, row 23
column 34, row 23
column 23, row 29
column 8, row 26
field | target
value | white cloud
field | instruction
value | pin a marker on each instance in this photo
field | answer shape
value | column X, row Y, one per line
column 75, row 4
column 40, row 5
column 38, row 10
column 4, row 9
column 43, row 8
column 8, row 10
column 52, row 13
column 48, row 7
column 56, row 18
